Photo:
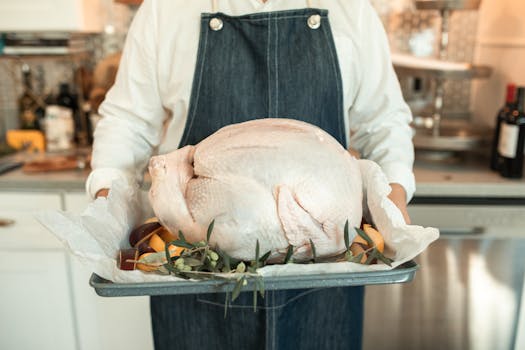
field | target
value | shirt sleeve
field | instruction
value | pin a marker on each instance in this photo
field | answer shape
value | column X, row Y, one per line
column 132, row 113
column 379, row 118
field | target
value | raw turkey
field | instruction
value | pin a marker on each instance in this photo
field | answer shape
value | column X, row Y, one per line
column 279, row 181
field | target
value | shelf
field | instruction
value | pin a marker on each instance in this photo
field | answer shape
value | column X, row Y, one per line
column 65, row 56
column 447, row 4
column 129, row 2
column 434, row 68
column 474, row 72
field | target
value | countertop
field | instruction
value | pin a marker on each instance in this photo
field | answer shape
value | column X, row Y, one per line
column 465, row 179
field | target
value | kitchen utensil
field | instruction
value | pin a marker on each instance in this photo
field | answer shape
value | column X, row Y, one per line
column 8, row 165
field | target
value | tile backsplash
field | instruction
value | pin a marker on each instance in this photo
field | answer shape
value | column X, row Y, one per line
column 407, row 27
column 402, row 22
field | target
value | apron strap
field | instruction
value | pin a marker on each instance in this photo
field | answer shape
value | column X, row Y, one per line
column 214, row 5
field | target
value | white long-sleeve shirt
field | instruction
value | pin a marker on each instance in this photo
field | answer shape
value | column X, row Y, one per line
column 146, row 109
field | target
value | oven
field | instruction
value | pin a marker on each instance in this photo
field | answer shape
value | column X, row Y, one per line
column 467, row 293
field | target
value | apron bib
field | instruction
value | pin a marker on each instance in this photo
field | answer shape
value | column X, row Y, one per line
column 265, row 65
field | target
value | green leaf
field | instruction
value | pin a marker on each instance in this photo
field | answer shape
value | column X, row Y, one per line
column 170, row 268
column 357, row 258
column 384, row 259
column 168, row 257
column 254, row 298
column 203, row 255
column 257, row 254
column 192, row 262
column 371, row 257
column 226, row 261
column 313, row 250
column 265, row 257
column 182, row 275
column 347, row 237
column 289, row 253
column 210, row 229
column 260, row 285
column 181, row 243
column 192, row 274
column 226, row 304
column 181, row 236
column 365, row 236
column 238, row 288
column 349, row 255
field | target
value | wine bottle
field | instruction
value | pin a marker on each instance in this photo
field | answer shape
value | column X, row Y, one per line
column 69, row 100
column 510, row 102
column 512, row 139
column 29, row 108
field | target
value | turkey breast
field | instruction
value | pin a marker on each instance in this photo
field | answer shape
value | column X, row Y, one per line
column 279, row 181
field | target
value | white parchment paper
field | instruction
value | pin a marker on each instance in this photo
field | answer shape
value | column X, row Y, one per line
column 96, row 235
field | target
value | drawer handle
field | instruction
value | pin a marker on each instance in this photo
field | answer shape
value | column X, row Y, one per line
column 6, row 222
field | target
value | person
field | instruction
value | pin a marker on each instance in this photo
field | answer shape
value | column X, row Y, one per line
column 191, row 67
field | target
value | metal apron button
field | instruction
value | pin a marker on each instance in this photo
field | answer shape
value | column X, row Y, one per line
column 216, row 24
column 314, row 21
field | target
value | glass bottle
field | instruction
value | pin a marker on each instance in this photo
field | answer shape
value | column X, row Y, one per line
column 29, row 108
column 512, row 139
column 67, row 99
column 510, row 103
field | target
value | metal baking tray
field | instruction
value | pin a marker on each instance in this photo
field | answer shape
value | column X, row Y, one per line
column 401, row 274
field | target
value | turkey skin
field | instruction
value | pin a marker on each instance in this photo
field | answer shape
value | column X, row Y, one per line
column 277, row 181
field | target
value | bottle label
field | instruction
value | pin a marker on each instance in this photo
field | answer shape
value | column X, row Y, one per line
column 508, row 140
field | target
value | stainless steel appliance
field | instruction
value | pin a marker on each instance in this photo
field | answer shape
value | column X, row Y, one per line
column 467, row 294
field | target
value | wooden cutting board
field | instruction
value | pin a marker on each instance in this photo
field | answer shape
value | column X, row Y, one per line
column 55, row 163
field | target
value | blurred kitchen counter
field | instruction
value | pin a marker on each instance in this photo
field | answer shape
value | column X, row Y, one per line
column 17, row 180
column 470, row 178
column 465, row 179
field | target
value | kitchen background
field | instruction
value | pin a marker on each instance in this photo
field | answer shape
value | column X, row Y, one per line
column 409, row 31
column 111, row 24
column 466, row 296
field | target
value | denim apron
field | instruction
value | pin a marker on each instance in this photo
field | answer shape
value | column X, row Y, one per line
column 273, row 64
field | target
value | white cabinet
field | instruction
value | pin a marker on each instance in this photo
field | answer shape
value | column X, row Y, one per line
column 35, row 301
column 46, row 302
column 51, row 15
column 106, row 323
column 35, row 297
column 109, row 323
column 20, row 229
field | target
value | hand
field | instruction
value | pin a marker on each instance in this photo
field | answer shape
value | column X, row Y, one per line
column 399, row 197
column 102, row 193
column 354, row 152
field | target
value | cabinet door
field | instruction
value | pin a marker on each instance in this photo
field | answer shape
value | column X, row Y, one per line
column 109, row 323
column 21, row 230
column 35, row 301
column 106, row 323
